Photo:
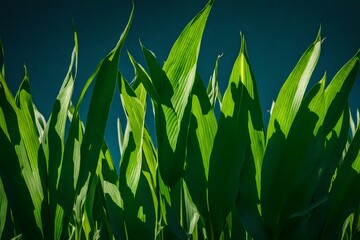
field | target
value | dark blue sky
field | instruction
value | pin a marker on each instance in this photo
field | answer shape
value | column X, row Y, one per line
column 39, row 34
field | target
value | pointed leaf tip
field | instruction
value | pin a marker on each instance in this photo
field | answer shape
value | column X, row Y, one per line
column 243, row 49
column 318, row 37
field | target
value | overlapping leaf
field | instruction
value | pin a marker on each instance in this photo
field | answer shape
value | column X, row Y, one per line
column 173, row 85
column 277, row 170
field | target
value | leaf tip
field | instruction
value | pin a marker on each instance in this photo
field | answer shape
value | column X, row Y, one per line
column 318, row 37
column 243, row 48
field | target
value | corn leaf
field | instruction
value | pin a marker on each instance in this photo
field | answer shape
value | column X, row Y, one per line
column 291, row 93
column 15, row 169
column 338, row 91
column 53, row 146
column 213, row 90
column 343, row 200
column 304, row 146
column 3, row 208
column 336, row 96
column 139, row 210
column 114, row 203
column 70, row 164
column 202, row 130
column 99, row 109
column 231, row 141
column 174, row 85
column 274, row 172
column 24, row 103
column 248, row 200
column 135, row 114
column 335, row 128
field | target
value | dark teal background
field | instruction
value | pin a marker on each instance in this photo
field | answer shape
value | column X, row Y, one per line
column 39, row 34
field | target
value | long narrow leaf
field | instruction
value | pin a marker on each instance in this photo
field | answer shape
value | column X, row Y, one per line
column 177, row 79
column 99, row 109
column 286, row 107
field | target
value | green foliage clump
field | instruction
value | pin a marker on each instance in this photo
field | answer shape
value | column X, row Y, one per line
column 208, row 177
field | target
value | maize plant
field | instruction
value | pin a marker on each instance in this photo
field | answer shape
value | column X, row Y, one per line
column 213, row 171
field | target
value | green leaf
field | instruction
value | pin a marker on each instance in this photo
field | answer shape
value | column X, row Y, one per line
column 301, row 162
column 338, row 91
column 27, row 127
column 232, row 138
column 202, row 130
column 113, row 202
column 99, row 109
column 174, row 85
column 248, row 202
column 335, row 129
column 132, row 155
column 277, row 168
column 139, row 210
column 190, row 214
column 180, row 66
column 16, row 169
column 291, row 93
column 40, row 122
column 336, row 101
column 343, row 198
column 213, row 90
column 3, row 208
column 70, row 169
column 53, row 146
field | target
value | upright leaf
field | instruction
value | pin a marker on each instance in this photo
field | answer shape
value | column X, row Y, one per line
column 53, row 146
column 213, row 90
column 291, row 93
column 16, row 168
column 174, row 85
column 135, row 115
column 139, row 210
column 274, row 174
column 202, row 130
column 344, row 199
column 337, row 93
column 99, row 109
column 232, row 138
column 113, row 202
column 335, row 129
column 248, row 200
column 3, row 208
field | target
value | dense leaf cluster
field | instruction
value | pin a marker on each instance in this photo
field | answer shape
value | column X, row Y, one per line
column 208, row 177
